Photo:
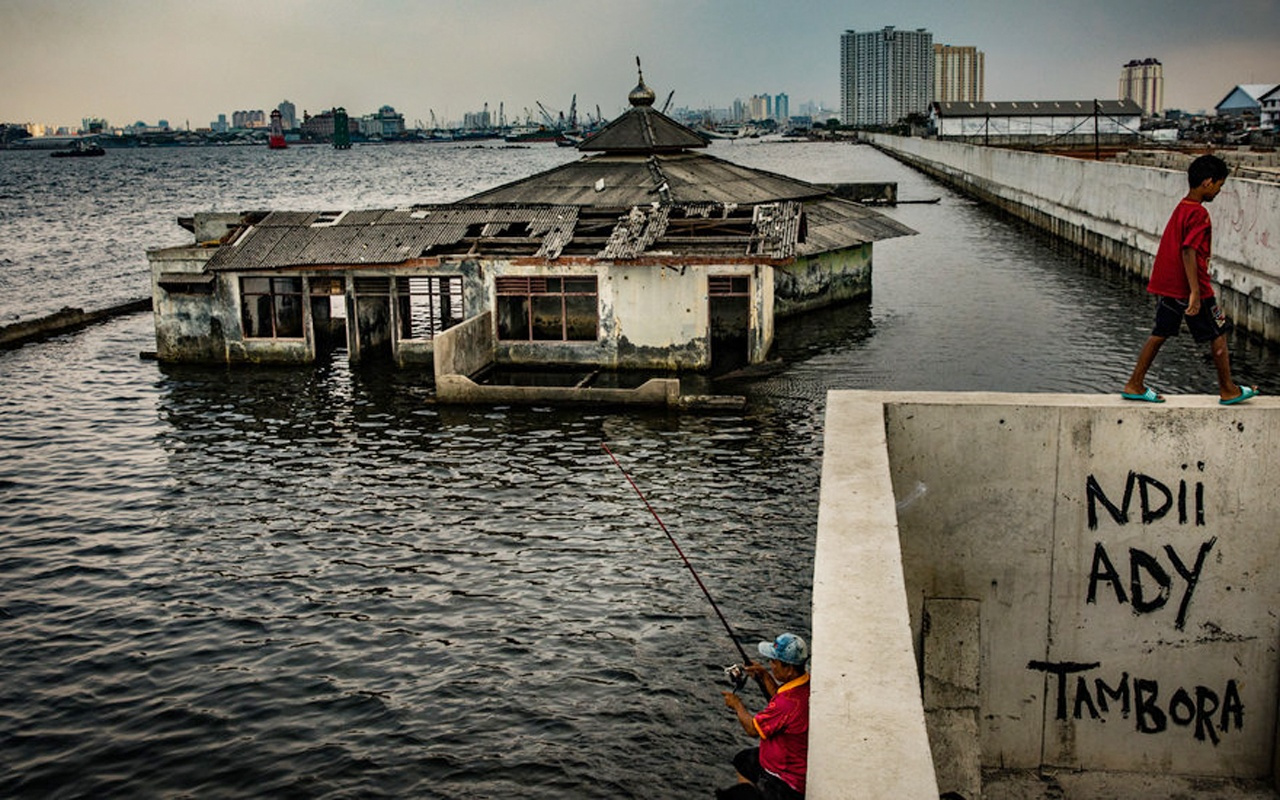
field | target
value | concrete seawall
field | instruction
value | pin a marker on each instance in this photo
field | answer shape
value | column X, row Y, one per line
column 64, row 321
column 1118, row 211
column 1071, row 585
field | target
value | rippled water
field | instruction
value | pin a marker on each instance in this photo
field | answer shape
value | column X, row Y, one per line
column 315, row 583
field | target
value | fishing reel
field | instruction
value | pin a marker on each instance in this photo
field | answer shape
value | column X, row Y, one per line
column 737, row 675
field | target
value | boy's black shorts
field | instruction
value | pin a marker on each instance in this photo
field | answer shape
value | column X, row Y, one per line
column 1205, row 326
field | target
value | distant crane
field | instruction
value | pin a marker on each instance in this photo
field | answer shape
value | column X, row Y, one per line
column 551, row 123
column 667, row 104
column 573, row 114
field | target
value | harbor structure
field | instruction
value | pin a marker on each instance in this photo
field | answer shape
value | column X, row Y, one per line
column 959, row 74
column 1142, row 81
column 645, row 254
column 885, row 75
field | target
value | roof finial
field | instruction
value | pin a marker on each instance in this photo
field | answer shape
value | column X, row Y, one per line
column 641, row 95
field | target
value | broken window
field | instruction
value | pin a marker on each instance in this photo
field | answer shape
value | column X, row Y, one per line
column 271, row 308
column 556, row 309
column 729, row 285
column 428, row 306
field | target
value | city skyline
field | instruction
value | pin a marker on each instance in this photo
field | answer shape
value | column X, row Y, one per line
column 130, row 60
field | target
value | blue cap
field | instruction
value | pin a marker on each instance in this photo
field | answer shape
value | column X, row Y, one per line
column 787, row 648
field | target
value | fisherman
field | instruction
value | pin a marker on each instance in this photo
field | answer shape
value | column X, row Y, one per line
column 777, row 767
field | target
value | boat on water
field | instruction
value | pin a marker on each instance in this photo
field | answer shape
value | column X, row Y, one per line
column 80, row 150
column 525, row 135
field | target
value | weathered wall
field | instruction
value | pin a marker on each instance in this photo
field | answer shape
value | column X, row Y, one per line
column 1123, row 559
column 183, row 321
column 465, row 349
column 822, row 280
column 1118, row 212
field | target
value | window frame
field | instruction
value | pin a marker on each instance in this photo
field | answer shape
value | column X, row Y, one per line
column 281, row 292
column 536, row 294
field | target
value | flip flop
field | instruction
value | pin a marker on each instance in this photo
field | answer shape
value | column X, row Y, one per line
column 1245, row 393
column 1148, row 396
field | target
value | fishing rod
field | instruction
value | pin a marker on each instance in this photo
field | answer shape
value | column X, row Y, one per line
column 735, row 676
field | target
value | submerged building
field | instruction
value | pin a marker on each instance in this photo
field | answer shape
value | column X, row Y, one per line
column 644, row 254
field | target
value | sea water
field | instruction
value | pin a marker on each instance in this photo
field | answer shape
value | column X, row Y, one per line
column 314, row 582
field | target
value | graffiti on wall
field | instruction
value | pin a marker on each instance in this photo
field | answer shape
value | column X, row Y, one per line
column 1159, row 577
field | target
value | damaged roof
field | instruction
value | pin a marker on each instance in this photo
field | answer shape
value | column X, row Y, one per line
column 643, row 157
column 644, row 194
column 389, row 237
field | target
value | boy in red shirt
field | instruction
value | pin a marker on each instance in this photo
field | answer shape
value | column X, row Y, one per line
column 1180, row 281
column 776, row 768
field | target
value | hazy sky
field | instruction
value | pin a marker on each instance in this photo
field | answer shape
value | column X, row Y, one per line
column 189, row 60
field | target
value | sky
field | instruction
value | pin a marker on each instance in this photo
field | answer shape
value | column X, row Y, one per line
column 186, row 61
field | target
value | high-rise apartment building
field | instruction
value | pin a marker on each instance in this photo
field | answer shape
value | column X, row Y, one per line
column 781, row 107
column 288, row 115
column 957, row 74
column 1143, row 82
column 885, row 75
column 760, row 107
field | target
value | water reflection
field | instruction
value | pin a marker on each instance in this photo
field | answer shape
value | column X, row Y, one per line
column 316, row 582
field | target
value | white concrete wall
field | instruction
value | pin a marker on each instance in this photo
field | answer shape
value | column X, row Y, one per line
column 1000, row 500
column 867, row 733
column 1126, row 206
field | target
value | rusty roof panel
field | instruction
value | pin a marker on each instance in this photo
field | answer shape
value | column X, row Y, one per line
column 249, row 250
column 776, row 230
column 833, row 223
column 286, row 251
column 366, row 217
column 635, row 232
column 325, row 244
column 288, row 219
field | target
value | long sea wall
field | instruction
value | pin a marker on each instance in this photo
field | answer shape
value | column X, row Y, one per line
column 1118, row 211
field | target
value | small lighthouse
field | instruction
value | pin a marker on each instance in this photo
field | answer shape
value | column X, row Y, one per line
column 276, row 139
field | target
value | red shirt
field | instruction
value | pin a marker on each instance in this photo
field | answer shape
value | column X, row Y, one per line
column 1188, row 227
column 783, row 726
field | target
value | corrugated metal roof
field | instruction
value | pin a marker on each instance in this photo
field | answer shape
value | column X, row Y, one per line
column 642, row 130
column 1035, row 108
column 383, row 236
column 621, row 181
column 774, row 231
column 833, row 224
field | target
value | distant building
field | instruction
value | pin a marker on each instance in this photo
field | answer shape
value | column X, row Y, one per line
column 958, row 74
column 781, row 107
column 477, row 120
column 885, row 75
column 385, row 124
column 1064, row 121
column 1270, row 103
column 760, row 107
column 321, row 126
column 220, row 124
column 93, row 125
column 288, row 115
column 1143, row 82
column 1245, row 100
column 249, row 119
